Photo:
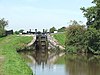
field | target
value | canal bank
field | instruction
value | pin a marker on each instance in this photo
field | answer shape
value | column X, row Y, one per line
column 12, row 63
column 69, row 64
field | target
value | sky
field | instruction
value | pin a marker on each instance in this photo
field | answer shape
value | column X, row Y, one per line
column 41, row 14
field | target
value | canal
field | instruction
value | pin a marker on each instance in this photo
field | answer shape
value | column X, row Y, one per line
column 68, row 64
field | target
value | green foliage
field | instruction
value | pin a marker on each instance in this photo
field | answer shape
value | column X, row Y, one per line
column 71, row 49
column 63, row 29
column 86, row 39
column 14, row 64
column 93, row 15
column 93, row 22
column 93, row 37
column 80, row 39
column 16, row 32
column 52, row 30
column 21, row 31
column 90, row 14
column 3, row 24
column 75, row 40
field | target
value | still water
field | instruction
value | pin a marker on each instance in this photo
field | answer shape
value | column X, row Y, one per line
column 69, row 64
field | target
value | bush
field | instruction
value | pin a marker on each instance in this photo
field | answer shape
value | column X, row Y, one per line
column 71, row 49
column 83, row 40
column 75, row 38
column 93, row 37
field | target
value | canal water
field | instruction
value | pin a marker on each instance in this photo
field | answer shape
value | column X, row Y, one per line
column 68, row 64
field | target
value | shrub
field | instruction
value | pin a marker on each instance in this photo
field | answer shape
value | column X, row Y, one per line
column 75, row 38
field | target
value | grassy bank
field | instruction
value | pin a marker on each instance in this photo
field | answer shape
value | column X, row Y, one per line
column 60, row 37
column 13, row 64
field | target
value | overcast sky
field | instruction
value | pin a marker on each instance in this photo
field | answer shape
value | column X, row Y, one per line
column 31, row 14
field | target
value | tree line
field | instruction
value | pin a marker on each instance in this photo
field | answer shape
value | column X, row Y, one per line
column 62, row 29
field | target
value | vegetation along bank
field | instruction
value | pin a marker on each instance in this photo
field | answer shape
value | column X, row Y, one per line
column 82, row 38
column 12, row 63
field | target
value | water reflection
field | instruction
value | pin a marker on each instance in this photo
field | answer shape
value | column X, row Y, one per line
column 72, row 64
column 41, row 57
column 82, row 65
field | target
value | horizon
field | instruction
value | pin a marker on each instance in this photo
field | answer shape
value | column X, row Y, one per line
column 37, row 14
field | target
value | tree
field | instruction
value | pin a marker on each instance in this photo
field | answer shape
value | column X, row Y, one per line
column 93, row 23
column 3, row 24
column 52, row 29
column 93, row 15
column 75, row 40
column 16, row 32
column 21, row 31
column 93, row 40
column 62, row 29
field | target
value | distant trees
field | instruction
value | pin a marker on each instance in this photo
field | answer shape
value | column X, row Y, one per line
column 16, row 32
column 21, row 31
column 52, row 30
column 62, row 29
column 3, row 24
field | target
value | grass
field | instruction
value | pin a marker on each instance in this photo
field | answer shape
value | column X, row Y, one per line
column 60, row 37
column 13, row 64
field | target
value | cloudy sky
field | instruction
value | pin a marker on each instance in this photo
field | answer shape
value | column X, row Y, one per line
column 31, row 14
